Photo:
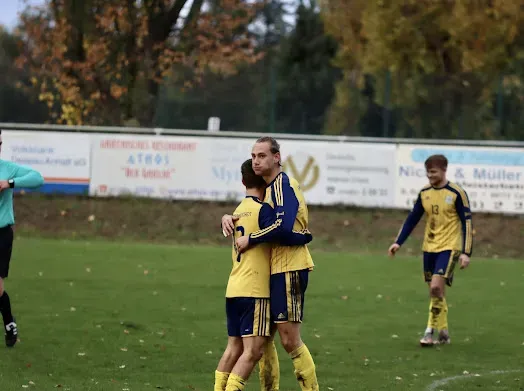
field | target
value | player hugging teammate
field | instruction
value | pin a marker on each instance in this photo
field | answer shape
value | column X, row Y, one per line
column 286, row 232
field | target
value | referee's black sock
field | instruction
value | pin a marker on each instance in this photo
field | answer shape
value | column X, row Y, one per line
column 5, row 308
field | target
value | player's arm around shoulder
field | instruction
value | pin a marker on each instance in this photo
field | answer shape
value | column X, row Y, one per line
column 21, row 176
column 271, row 230
column 267, row 217
column 285, row 209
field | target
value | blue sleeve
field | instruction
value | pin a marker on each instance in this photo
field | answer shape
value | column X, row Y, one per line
column 24, row 176
column 464, row 213
column 411, row 222
column 267, row 218
column 286, row 209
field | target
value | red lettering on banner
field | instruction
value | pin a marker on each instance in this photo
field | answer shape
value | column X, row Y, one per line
column 124, row 144
column 131, row 172
column 145, row 145
column 154, row 173
column 173, row 146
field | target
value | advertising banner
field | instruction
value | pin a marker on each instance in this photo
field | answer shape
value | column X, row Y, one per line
column 209, row 168
column 174, row 167
column 492, row 177
column 61, row 158
column 342, row 173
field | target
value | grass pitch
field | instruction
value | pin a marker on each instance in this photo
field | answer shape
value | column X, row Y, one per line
column 122, row 316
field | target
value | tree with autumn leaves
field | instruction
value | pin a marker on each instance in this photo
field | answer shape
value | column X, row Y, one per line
column 438, row 64
column 418, row 68
column 103, row 61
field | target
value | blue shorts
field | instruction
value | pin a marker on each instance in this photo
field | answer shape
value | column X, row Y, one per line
column 287, row 295
column 248, row 317
column 442, row 264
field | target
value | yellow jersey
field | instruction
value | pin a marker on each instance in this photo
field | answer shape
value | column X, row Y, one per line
column 283, row 194
column 448, row 219
column 250, row 272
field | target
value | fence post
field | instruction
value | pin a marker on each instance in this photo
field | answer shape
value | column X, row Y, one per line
column 500, row 106
column 385, row 110
column 272, row 96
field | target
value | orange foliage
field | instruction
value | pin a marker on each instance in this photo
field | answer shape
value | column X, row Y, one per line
column 87, row 57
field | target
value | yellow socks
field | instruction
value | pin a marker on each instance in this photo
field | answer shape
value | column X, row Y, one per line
column 304, row 368
column 443, row 318
column 435, row 309
column 235, row 383
column 269, row 366
column 220, row 381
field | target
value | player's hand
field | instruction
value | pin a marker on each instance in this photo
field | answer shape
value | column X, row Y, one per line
column 4, row 185
column 228, row 224
column 309, row 237
column 393, row 249
column 464, row 261
column 242, row 243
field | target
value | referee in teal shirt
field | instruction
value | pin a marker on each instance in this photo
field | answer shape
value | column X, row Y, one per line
column 11, row 175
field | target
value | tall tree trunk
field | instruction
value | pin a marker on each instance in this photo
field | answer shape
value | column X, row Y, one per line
column 161, row 24
column 131, row 55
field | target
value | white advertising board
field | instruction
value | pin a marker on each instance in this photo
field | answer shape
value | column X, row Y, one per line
column 208, row 168
column 492, row 177
column 342, row 173
column 63, row 159
column 175, row 167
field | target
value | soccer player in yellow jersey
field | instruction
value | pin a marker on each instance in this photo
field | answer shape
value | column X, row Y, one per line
column 247, row 293
column 290, row 266
column 448, row 240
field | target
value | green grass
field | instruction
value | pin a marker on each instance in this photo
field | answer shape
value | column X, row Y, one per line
column 159, row 311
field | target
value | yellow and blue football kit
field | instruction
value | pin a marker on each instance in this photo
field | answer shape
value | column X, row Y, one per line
column 448, row 232
column 290, row 265
column 247, row 293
